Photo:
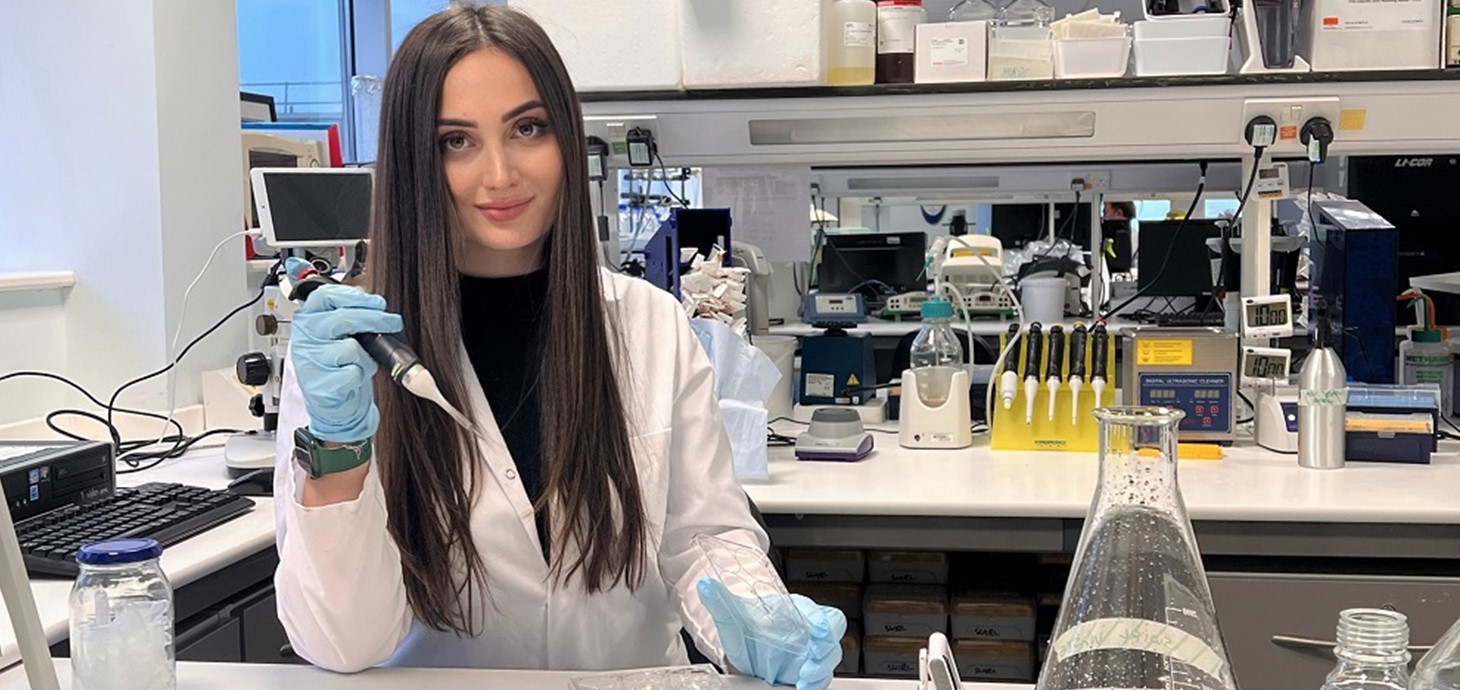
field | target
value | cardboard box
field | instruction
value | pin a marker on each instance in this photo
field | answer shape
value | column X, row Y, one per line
column 843, row 596
column 818, row 565
column 951, row 52
column 908, row 567
column 993, row 616
column 851, row 663
column 990, row 660
column 891, row 657
column 1355, row 35
column 915, row 611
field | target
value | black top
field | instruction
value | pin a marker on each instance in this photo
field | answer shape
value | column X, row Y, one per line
column 502, row 323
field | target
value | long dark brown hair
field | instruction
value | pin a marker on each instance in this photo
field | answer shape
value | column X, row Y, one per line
column 432, row 470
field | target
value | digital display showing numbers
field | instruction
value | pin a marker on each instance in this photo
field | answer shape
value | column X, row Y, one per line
column 1266, row 315
column 1156, row 395
column 1266, row 367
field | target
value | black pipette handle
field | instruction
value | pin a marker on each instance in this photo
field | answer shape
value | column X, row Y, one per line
column 1054, row 362
column 1011, row 360
column 387, row 349
column 1078, row 339
column 1032, row 340
column 1099, row 342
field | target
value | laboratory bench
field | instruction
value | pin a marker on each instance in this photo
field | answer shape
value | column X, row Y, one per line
column 1287, row 548
column 216, row 676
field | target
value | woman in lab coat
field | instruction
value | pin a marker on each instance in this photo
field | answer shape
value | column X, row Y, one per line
column 561, row 535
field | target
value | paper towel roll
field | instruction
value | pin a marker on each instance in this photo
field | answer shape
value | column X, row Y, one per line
column 782, row 350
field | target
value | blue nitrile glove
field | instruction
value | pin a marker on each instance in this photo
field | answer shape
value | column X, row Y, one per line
column 760, row 645
column 332, row 369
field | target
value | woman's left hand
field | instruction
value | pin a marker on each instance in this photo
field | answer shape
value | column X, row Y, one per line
column 761, row 637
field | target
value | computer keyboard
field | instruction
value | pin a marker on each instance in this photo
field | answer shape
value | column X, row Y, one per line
column 168, row 513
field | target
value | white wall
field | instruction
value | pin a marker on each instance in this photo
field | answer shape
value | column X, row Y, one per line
column 122, row 164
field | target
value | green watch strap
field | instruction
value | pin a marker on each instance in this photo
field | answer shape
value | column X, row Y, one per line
column 329, row 460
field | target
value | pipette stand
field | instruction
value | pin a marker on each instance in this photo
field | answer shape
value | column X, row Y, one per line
column 1013, row 431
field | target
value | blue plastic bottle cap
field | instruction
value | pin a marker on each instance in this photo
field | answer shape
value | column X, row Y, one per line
column 937, row 309
column 119, row 551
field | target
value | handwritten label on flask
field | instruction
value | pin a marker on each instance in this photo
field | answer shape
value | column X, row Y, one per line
column 1141, row 634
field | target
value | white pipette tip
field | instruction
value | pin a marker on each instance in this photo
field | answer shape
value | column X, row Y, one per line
column 1075, row 386
column 422, row 384
column 1053, row 384
column 1098, row 385
column 1031, row 388
column 1009, row 388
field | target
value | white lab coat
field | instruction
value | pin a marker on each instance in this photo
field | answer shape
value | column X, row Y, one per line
column 341, row 596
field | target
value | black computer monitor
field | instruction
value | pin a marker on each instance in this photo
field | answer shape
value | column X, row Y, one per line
column 1019, row 224
column 849, row 262
column 1189, row 271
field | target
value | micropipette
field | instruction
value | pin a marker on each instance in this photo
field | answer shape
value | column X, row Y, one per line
column 400, row 362
column 1031, row 370
column 1009, row 381
column 1077, row 369
column 1053, row 364
column 1099, row 341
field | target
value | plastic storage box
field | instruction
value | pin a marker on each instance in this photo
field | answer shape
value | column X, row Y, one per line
column 905, row 611
column 991, row 660
column 908, row 567
column 892, row 657
column 1091, row 58
column 1352, row 35
column 818, row 565
column 995, row 616
column 1186, row 47
column 843, row 596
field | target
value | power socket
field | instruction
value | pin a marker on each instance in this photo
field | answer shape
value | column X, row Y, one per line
column 615, row 130
column 1290, row 114
column 1090, row 182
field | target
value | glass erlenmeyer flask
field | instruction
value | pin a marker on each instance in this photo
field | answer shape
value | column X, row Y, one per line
column 1137, row 611
column 1440, row 668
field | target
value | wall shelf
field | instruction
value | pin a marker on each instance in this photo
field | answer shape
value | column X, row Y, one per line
column 36, row 281
column 1185, row 118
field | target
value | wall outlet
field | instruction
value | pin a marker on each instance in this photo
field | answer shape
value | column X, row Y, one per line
column 1290, row 114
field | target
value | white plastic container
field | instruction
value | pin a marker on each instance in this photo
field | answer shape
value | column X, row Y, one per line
column 1188, row 47
column 1091, row 58
column 852, row 53
column 1425, row 358
column 1019, row 53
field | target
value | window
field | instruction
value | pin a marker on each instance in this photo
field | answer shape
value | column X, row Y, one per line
column 406, row 14
column 295, row 51
column 1216, row 208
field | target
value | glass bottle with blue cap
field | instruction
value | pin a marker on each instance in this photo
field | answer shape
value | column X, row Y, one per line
column 935, row 408
column 121, row 618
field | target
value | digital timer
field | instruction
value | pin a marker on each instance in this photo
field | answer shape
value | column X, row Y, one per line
column 1270, row 316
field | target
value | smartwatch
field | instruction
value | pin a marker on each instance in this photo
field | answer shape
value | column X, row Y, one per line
column 319, row 460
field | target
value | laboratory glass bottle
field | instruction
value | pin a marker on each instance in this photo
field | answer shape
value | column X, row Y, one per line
column 1425, row 358
column 897, row 25
column 853, row 59
column 122, row 618
column 1440, row 667
column 936, row 353
column 973, row 11
column 1372, row 651
column 1137, row 611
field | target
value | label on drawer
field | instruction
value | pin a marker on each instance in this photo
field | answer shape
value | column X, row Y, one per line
column 1144, row 635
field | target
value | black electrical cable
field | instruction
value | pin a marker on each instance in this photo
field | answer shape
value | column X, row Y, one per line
column 1224, row 250
column 111, row 404
column 664, row 172
column 181, row 445
column 1200, row 188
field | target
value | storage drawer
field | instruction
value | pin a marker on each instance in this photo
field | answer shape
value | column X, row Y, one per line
column 1253, row 608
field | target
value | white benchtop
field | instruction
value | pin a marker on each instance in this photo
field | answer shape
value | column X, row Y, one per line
column 1250, row 484
column 183, row 562
column 195, row 676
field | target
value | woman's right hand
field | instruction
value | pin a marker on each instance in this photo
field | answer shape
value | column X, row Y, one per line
column 332, row 369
